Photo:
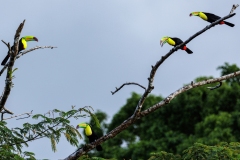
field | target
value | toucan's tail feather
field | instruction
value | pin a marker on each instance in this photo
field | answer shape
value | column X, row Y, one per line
column 188, row 51
column 99, row 148
column 5, row 60
column 229, row 24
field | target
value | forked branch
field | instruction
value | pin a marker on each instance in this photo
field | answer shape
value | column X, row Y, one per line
column 127, row 83
column 138, row 113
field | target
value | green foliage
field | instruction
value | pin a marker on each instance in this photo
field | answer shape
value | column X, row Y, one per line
column 223, row 151
column 51, row 125
column 164, row 156
column 200, row 115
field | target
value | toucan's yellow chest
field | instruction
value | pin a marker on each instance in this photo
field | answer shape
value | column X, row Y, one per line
column 88, row 131
column 171, row 42
column 203, row 16
column 24, row 43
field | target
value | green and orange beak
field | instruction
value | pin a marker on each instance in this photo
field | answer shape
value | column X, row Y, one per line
column 82, row 125
column 163, row 40
column 194, row 14
column 30, row 38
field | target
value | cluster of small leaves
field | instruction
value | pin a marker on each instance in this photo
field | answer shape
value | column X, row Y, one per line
column 7, row 151
column 50, row 126
column 164, row 155
column 86, row 157
column 223, row 151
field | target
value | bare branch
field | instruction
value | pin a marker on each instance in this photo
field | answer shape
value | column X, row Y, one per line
column 155, row 67
column 8, row 81
column 32, row 49
column 5, row 111
column 215, row 87
column 138, row 114
column 233, row 8
column 25, row 52
column 28, row 113
column 7, row 44
column 127, row 83
column 146, row 112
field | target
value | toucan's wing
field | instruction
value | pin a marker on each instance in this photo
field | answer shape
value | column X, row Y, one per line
column 211, row 17
column 177, row 41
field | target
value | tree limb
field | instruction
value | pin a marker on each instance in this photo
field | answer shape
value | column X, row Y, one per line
column 8, row 81
column 146, row 112
column 127, row 83
column 138, row 114
column 233, row 8
column 155, row 67
column 28, row 113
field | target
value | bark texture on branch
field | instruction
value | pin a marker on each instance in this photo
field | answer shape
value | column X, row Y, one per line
column 138, row 113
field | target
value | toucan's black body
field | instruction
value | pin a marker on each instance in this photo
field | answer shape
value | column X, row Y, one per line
column 93, row 138
column 212, row 18
column 179, row 41
column 20, row 48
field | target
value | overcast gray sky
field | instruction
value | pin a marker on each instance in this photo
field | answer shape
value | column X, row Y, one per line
column 102, row 44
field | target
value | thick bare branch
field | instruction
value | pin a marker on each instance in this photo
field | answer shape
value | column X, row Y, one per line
column 146, row 112
column 138, row 114
column 155, row 67
column 127, row 83
column 8, row 81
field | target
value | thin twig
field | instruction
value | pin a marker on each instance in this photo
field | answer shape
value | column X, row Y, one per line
column 7, row 44
column 23, row 53
column 29, row 114
column 233, row 8
column 127, row 83
column 34, row 48
column 132, row 119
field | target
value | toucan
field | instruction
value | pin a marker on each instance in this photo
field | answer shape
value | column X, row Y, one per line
column 210, row 17
column 174, row 42
column 90, row 134
column 22, row 44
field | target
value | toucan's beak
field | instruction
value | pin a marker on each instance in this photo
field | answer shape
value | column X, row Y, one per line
column 161, row 44
column 190, row 14
column 35, row 38
column 77, row 126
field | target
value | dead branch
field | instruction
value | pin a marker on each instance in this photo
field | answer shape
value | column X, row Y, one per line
column 233, row 8
column 138, row 114
column 155, row 67
column 23, row 53
column 146, row 112
column 127, row 83
column 8, row 81
column 32, row 49
column 28, row 113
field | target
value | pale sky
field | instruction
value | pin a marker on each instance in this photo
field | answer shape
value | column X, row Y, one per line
column 103, row 44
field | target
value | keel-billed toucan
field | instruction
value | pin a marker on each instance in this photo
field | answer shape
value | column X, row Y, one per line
column 174, row 42
column 22, row 44
column 210, row 17
column 90, row 134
